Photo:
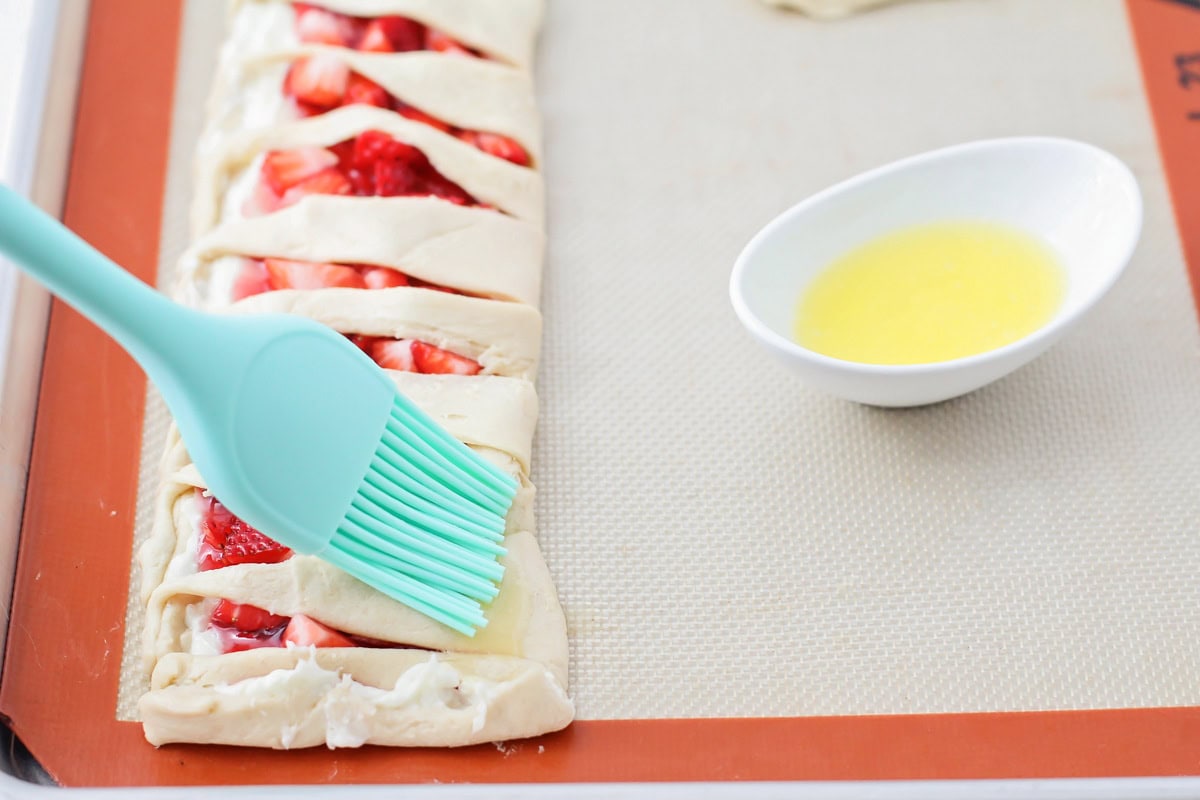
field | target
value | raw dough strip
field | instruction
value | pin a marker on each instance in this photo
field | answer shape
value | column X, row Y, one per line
column 502, row 29
column 467, row 93
column 297, row 698
column 503, row 338
column 227, row 173
column 473, row 250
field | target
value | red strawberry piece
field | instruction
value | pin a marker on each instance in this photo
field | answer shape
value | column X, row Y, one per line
column 305, row 631
column 499, row 146
column 262, row 201
column 439, row 186
column 375, row 39
column 416, row 115
column 403, row 33
column 365, row 91
column 283, row 169
column 435, row 360
column 394, row 178
column 345, row 153
column 394, row 354
column 252, row 280
column 284, row 274
column 246, row 618
column 383, row 278
column 329, row 181
column 362, row 182
column 226, row 539
column 319, row 80
column 441, row 43
column 369, row 147
column 318, row 26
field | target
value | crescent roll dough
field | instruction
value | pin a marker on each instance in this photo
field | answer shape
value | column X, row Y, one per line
column 505, row 30
column 467, row 93
column 473, row 250
column 519, row 658
column 503, row 338
column 395, row 676
column 226, row 172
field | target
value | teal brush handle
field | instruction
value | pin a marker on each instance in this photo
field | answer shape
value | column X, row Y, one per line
column 150, row 327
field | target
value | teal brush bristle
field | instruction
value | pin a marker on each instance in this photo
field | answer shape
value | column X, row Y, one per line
column 426, row 523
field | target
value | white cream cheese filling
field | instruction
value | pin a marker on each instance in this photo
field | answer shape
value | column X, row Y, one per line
column 200, row 639
column 240, row 190
column 188, row 509
column 261, row 27
column 346, row 705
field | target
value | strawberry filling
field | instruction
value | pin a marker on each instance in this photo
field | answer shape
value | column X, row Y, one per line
column 411, row 355
column 323, row 82
column 272, row 274
column 225, row 539
column 371, row 164
column 390, row 34
column 240, row 626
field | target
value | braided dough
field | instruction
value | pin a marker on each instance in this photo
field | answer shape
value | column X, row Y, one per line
column 426, row 685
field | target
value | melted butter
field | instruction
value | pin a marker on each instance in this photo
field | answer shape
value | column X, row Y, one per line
column 506, row 616
column 931, row 293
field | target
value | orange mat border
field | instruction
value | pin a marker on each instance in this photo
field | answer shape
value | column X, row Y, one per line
column 63, row 653
column 1167, row 34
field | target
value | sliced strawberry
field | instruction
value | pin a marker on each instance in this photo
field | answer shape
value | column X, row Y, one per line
column 394, row 354
column 499, row 146
column 416, row 115
column 383, row 278
column 252, row 280
column 305, row 631
column 345, row 152
column 404, row 34
column 439, row 186
column 329, row 181
column 286, row 274
column 246, row 618
column 318, row 26
column 375, row 39
column 435, row 360
column 319, row 80
column 365, row 91
column 226, row 540
column 369, row 147
column 283, row 169
column 263, row 200
column 441, row 43
column 394, row 178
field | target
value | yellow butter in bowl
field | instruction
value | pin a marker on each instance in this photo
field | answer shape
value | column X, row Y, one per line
column 930, row 293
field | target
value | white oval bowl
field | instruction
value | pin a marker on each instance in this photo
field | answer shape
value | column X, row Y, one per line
column 1079, row 199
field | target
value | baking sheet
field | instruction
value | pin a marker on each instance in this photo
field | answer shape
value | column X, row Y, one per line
column 728, row 545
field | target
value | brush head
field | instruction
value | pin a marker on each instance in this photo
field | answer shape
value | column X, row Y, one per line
column 426, row 524
column 314, row 445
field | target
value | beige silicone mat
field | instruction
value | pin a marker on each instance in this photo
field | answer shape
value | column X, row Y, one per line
column 727, row 543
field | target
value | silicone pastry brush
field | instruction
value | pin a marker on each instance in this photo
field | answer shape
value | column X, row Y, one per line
column 303, row 437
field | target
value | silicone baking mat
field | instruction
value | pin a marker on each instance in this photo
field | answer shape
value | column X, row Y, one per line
column 999, row 586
